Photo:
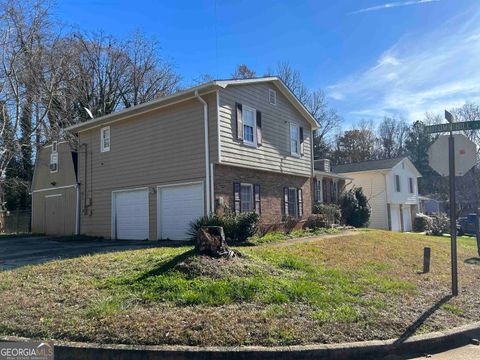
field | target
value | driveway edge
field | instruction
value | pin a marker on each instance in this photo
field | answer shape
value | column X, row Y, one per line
column 393, row 349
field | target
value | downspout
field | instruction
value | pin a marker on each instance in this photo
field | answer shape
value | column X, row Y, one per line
column 207, row 152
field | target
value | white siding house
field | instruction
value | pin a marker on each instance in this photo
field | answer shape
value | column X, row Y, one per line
column 391, row 189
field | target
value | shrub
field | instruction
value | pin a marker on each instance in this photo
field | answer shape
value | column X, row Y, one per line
column 440, row 224
column 331, row 212
column 207, row 220
column 240, row 227
column 354, row 207
column 422, row 223
column 237, row 227
column 315, row 221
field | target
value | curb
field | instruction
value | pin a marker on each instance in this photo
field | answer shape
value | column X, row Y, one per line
column 389, row 349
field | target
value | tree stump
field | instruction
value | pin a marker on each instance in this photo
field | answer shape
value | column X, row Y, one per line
column 211, row 241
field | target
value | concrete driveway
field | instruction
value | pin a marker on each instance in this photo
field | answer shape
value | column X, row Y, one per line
column 21, row 251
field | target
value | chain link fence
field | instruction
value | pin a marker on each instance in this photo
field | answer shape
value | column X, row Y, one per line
column 15, row 221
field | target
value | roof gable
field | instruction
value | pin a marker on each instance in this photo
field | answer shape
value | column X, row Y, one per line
column 372, row 165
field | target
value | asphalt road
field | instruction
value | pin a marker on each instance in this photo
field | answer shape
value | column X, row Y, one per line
column 21, row 251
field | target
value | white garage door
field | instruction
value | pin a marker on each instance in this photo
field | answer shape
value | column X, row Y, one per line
column 178, row 206
column 131, row 215
column 407, row 218
column 395, row 218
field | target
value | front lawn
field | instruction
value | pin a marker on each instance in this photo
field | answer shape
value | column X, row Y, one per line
column 339, row 288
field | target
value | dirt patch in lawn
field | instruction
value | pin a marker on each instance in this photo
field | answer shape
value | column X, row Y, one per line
column 333, row 289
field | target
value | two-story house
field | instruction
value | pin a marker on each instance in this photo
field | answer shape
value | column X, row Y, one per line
column 391, row 189
column 147, row 171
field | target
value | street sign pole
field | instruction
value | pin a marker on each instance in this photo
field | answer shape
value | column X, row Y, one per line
column 453, row 214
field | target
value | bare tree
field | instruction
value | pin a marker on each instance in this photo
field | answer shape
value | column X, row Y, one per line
column 392, row 134
column 243, row 72
column 26, row 83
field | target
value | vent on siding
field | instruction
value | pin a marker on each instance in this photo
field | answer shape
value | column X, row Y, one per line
column 322, row 165
column 272, row 97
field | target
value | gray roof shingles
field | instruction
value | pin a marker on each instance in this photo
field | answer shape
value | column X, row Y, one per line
column 367, row 165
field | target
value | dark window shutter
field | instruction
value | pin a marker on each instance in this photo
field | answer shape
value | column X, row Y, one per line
column 285, row 201
column 300, row 203
column 301, row 140
column 256, row 199
column 237, row 203
column 259, row 128
column 315, row 195
column 238, row 109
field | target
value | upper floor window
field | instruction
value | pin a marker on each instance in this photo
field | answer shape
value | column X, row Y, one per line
column 53, row 162
column 294, row 139
column 410, row 185
column 248, row 119
column 397, row 183
column 272, row 97
column 105, row 139
column 54, row 147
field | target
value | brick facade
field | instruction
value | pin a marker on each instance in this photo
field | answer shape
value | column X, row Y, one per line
column 271, row 190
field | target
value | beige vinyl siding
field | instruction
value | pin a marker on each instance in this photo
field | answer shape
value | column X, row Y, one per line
column 67, row 207
column 274, row 153
column 65, row 175
column 374, row 188
column 160, row 147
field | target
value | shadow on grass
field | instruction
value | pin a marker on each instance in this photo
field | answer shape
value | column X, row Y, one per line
column 421, row 320
column 473, row 261
column 168, row 265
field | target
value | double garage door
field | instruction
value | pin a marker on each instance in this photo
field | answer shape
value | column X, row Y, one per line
column 177, row 207
column 397, row 216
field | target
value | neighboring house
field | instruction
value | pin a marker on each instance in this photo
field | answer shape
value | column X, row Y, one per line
column 327, row 185
column 391, row 189
column 146, row 172
column 428, row 205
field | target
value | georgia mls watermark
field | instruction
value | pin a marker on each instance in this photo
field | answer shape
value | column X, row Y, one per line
column 30, row 350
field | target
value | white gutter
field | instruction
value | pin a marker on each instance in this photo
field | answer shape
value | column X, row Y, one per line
column 207, row 155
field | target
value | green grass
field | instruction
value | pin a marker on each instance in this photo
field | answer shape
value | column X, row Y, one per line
column 277, row 236
column 330, row 289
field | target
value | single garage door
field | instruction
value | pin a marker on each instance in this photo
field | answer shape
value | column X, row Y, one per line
column 407, row 218
column 178, row 206
column 395, row 218
column 131, row 214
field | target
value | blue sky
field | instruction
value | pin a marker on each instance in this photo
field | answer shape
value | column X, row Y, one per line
column 371, row 57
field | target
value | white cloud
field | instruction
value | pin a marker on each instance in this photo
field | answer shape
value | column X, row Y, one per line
column 393, row 5
column 417, row 74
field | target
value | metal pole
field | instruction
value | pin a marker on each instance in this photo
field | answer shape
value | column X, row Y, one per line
column 477, row 228
column 453, row 213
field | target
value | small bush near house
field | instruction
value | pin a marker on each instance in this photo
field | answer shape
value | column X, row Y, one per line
column 237, row 227
column 422, row 223
column 315, row 221
column 440, row 225
column 354, row 208
column 331, row 212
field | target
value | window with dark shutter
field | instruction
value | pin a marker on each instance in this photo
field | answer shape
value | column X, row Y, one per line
column 236, row 197
column 300, row 203
column 285, row 201
column 238, row 108
column 397, row 183
column 259, row 128
column 256, row 197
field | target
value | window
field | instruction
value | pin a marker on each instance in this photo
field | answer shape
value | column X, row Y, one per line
column 248, row 118
column 54, row 162
column 105, row 139
column 294, row 139
column 272, row 97
column 54, row 147
column 397, row 183
column 318, row 191
column 246, row 197
column 292, row 202
column 410, row 185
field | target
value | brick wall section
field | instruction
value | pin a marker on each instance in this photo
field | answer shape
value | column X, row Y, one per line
column 271, row 189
